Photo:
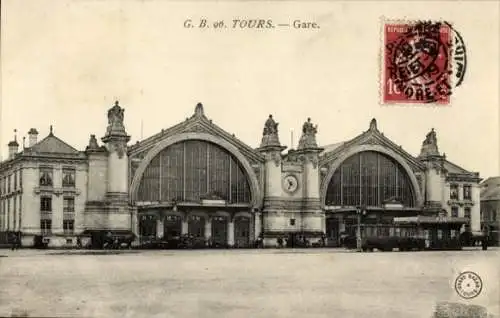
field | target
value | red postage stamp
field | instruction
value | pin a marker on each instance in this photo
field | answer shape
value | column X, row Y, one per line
column 417, row 63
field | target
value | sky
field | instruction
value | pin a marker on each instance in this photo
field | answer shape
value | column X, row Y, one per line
column 64, row 63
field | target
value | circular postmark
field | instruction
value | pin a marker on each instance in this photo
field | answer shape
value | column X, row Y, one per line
column 468, row 285
column 426, row 61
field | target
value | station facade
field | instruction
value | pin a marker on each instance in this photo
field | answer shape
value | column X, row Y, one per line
column 197, row 179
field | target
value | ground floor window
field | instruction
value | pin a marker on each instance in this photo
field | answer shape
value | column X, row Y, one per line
column 69, row 227
column 46, row 227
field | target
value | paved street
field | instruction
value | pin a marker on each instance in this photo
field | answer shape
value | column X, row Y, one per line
column 239, row 283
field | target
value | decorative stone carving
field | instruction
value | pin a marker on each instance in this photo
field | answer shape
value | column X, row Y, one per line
column 277, row 159
column 313, row 158
column 256, row 170
column 308, row 138
column 370, row 141
column 198, row 111
column 274, row 156
column 373, row 124
column 196, row 129
column 93, row 145
column 119, row 147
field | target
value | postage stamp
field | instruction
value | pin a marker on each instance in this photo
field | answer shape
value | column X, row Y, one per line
column 421, row 62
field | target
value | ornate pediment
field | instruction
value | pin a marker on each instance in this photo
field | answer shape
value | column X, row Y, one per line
column 371, row 139
column 197, row 123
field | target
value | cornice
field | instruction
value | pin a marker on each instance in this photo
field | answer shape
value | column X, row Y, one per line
column 56, row 191
column 462, row 177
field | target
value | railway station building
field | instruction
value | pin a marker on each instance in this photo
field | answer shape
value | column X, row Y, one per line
column 195, row 178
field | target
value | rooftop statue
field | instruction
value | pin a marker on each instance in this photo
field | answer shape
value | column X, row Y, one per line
column 308, row 138
column 115, row 120
column 115, row 114
column 308, row 128
column 270, row 127
column 270, row 133
column 429, row 146
column 431, row 139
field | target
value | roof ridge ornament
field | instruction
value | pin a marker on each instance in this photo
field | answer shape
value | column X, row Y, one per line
column 198, row 111
column 373, row 124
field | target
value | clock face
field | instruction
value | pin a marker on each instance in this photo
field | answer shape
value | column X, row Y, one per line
column 290, row 183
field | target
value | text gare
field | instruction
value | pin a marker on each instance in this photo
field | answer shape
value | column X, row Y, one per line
column 268, row 24
column 247, row 24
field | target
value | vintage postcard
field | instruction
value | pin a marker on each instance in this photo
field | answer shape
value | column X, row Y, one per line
column 249, row 159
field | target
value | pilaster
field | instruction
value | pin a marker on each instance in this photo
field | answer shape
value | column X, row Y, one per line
column 159, row 227
column 230, row 233
column 475, row 222
column 208, row 228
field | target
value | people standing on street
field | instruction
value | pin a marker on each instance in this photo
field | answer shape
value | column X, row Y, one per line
column 280, row 242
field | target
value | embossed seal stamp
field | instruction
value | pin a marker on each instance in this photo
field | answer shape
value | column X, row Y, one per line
column 468, row 285
column 422, row 62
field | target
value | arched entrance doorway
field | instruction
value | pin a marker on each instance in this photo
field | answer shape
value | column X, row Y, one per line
column 197, row 176
column 242, row 231
column 172, row 226
column 220, row 230
column 371, row 182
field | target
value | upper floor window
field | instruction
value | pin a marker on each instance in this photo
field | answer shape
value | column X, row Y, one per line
column 8, row 184
column 69, row 204
column 454, row 211
column 454, row 192
column 68, row 177
column 46, row 204
column 467, row 192
column 21, row 178
column 15, row 180
column 46, row 177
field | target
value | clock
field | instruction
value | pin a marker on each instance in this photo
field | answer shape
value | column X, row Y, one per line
column 290, row 183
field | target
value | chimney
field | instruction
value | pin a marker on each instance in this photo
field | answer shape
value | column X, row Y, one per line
column 13, row 146
column 33, row 135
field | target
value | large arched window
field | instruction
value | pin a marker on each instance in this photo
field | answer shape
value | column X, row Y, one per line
column 191, row 170
column 369, row 179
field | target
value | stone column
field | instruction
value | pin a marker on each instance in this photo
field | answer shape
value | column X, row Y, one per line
column 341, row 224
column 475, row 212
column 257, row 224
column 57, row 203
column 159, row 227
column 185, row 226
column 230, row 232
column 116, row 140
column 208, row 228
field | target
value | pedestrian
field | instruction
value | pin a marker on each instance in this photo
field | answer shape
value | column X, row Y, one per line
column 484, row 243
column 12, row 239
